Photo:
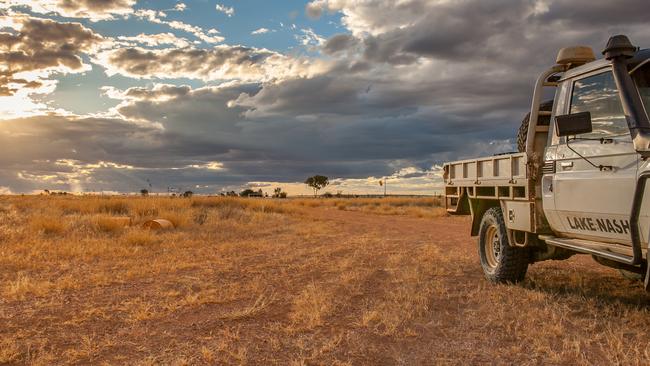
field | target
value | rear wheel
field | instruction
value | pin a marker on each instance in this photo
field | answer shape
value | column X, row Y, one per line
column 501, row 263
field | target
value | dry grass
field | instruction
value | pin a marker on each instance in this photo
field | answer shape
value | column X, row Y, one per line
column 297, row 281
column 425, row 207
column 48, row 223
column 112, row 224
column 9, row 351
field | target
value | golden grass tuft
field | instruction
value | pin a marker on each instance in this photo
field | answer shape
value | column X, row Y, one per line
column 24, row 286
column 311, row 306
column 111, row 224
column 9, row 351
column 180, row 218
column 48, row 224
column 140, row 237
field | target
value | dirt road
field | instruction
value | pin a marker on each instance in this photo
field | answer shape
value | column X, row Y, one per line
column 328, row 286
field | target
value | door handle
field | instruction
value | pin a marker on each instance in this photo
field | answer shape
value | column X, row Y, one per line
column 567, row 164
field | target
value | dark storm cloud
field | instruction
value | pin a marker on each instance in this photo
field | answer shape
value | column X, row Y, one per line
column 38, row 45
column 201, row 137
column 288, row 136
column 98, row 153
column 597, row 12
column 487, row 31
column 453, row 30
column 338, row 43
column 473, row 58
column 201, row 112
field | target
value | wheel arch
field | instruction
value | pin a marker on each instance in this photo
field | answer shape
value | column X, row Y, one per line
column 478, row 208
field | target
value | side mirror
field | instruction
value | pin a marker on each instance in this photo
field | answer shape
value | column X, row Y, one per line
column 573, row 124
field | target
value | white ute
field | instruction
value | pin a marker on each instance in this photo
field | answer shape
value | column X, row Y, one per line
column 578, row 184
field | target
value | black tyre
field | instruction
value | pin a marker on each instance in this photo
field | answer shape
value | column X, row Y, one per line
column 523, row 128
column 501, row 263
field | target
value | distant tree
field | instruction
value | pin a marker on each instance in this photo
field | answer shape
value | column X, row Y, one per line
column 251, row 193
column 278, row 193
column 327, row 195
column 46, row 191
column 144, row 192
column 317, row 182
column 247, row 192
column 231, row 194
column 188, row 194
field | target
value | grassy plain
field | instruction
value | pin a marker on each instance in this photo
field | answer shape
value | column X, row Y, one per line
column 297, row 281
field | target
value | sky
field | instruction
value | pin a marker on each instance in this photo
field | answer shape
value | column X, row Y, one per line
column 216, row 95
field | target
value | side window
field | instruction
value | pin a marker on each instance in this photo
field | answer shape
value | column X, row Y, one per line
column 598, row 95
column 559, row 106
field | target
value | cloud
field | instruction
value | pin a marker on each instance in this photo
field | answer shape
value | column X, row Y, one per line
column 91, row 9
column 85, row 153
column 212, row 165
column 469, row 58
column 41, row 45
column 314, row 9
column 338, row 43
column 403, row 87
column 229, row 11
column 310, row 38
column 180, row 7
column 260, row 31
column 403, row 32
column 32, row 52
column 158, row 92
column 219, row 63
column 154, row 40
column 157, row 17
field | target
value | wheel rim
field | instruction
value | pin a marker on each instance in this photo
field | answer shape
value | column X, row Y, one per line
column 492, row 246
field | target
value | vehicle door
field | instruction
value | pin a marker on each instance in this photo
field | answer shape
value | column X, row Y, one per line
column 595, row 173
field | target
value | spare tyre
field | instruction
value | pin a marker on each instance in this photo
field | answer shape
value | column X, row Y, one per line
column 542, row 121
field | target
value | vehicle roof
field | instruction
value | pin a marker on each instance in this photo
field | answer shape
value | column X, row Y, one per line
column 639, row 57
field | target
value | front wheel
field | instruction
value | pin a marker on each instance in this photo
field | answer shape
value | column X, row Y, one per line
column 501, row 263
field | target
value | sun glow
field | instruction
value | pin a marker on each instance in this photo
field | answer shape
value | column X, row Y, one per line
column 20, row 105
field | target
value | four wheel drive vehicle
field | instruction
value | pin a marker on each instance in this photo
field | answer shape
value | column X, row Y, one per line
column 578, row 184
